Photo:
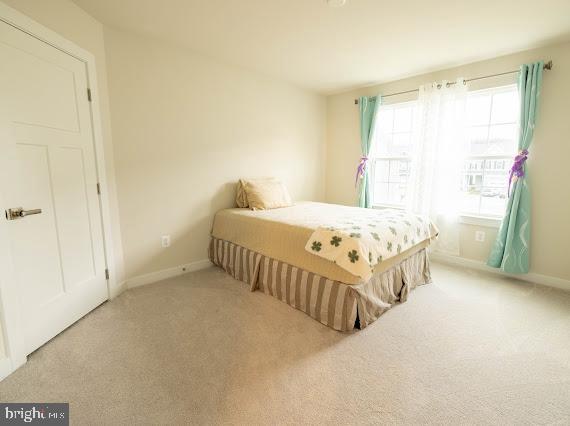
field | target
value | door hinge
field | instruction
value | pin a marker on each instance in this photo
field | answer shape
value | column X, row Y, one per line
column 89, row 94
column 98, row 188
column 106, row 274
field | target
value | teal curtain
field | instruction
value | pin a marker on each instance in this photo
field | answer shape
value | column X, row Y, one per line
column 511, row 249
column 367, row 108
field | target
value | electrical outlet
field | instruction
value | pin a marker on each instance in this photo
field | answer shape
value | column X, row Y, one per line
column 479, row 236
column 165, row 240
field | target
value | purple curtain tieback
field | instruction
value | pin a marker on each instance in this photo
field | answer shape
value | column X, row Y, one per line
column 361, row 169
column 517, row 170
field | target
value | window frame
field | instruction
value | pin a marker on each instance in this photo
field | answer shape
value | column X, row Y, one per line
column 465, row 217
column 478, row 218
column 374, row 158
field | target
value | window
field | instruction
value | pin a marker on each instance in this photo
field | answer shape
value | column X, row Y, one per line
column 491, row 143
column 392, row 157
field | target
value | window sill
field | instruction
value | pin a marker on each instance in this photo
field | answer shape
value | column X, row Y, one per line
column 486, row 221
column 467, row 219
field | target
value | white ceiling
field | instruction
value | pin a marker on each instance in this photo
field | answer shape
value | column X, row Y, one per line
column 329, row 49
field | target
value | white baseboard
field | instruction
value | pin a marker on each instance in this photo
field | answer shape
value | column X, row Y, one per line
column 167, row 273
column 481, row 266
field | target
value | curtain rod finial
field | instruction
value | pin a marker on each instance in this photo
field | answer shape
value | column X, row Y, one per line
column 548, row 65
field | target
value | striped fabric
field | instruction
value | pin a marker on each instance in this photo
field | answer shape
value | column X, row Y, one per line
column 332, row 303
column 239, row 262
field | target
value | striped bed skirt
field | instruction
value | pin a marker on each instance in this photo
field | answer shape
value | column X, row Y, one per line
column 333, row 303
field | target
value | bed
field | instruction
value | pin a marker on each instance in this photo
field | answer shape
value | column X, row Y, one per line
column 285, row 252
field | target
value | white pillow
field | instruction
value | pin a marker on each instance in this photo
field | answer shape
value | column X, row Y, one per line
column 241, row 196
column 267, row 194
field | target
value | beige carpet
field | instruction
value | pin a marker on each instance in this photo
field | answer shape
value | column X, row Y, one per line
column 469, row 349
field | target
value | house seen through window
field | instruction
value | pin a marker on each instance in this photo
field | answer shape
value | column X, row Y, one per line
column 492, row 116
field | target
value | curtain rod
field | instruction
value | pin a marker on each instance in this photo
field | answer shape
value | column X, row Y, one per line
column 547, row 66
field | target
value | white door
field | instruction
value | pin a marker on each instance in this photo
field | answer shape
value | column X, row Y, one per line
column 47, row 163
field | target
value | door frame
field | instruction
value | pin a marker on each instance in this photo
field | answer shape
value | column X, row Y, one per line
column 10, row 315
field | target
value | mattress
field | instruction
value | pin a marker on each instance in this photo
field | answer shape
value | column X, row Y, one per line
column 283, row 233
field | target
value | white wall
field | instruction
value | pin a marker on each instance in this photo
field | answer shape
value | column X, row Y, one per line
column 185, row 128
column 549, row 173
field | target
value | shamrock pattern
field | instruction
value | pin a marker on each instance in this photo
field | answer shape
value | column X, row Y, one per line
column 358, row 239
column 335, row 241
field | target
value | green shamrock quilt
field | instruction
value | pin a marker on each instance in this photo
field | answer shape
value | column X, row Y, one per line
column 358, row 242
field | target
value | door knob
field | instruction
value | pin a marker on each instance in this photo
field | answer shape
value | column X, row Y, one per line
column 19, row 212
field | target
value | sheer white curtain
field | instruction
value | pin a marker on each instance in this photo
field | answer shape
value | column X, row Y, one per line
column 438, row 158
